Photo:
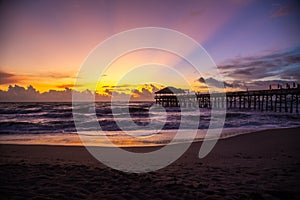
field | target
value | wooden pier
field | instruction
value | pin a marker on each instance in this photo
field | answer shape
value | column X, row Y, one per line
column 277, row 100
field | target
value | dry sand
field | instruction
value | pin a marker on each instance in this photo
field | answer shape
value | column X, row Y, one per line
column 262, row 165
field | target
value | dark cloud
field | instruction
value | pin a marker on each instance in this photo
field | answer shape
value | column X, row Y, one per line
column 212, row 82
column 116, row 86
column 30, row 94
column 245, row 71
column 146, row 93
column 52, row 75
column 108, row 91
column 292, row 59
column 265, row 84
column 286, row 9
column 197, row 13
column 63, row 86
column 283, row 65
column 18, row 92
column 56, row 75
column 201, row 80
column 242, row 85
column 7, row 78
column 202, row 87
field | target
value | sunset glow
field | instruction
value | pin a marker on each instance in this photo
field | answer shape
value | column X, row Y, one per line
column 44, row 44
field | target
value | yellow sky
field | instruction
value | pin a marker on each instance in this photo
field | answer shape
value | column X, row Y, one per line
column 44, row 43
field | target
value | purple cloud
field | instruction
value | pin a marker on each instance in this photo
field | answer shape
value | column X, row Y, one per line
column 7, row 78
column 282, row 65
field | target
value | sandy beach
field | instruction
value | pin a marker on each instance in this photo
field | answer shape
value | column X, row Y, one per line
column 262, row 165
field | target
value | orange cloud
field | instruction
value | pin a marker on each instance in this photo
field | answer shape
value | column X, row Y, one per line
column 63, row 86
column 18, row 93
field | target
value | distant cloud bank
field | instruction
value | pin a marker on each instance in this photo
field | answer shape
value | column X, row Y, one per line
column 18, row 93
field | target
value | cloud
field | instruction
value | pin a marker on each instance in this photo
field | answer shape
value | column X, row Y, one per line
column 70, row 85
column 16, row 78
column 54, row 75
column 286, row 9
column 258, row 72
column 140, row 92
column 284, row 65
column 48, row 75
column 144, row 93
column 18, row 93
column 7, row 78
column 201, row 80
column 212, row 82
column 121, row 87
column 265, row 84
column 197, row 13
column 57, row 75
column 108, row 91
column 242, row 85
column 147, row 92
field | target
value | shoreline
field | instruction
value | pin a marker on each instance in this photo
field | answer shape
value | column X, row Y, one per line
column 261, row 165
column 73, row 139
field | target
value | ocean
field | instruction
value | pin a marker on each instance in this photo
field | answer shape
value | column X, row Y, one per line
column 143, row 123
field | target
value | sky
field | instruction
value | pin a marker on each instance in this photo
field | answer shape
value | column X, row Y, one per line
column 44, row 44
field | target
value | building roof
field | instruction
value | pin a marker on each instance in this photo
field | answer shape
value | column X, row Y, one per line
column 170, row 90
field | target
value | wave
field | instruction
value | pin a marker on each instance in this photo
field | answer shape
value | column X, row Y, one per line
column 36, row 118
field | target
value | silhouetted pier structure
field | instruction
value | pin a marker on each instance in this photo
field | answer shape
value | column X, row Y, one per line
column 277, row 100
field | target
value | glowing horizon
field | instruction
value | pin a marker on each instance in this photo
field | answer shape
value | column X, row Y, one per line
column 253, row 43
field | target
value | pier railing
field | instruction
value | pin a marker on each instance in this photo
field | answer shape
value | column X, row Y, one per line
column 277, row 100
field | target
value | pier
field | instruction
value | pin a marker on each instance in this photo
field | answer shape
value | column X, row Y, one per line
column 276, row 100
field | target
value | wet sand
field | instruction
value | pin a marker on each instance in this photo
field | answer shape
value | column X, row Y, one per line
column 262, row 165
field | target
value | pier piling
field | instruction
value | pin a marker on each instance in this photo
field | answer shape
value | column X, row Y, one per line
column 276, row 100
